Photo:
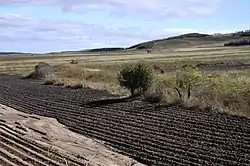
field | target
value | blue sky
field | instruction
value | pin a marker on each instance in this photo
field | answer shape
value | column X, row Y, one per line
column 57, row 25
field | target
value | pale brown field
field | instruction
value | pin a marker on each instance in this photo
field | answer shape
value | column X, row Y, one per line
column 99, row 70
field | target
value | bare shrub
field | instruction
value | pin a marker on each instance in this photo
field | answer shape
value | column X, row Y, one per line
column 49, row 82
column 184, row 82
column 159, row 69
column 59, row 84
column 74, row 61
column 136, row 77
column 156, row 93
column 76, row 86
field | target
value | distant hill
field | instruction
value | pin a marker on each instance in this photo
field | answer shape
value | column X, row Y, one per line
column 106, row 49
column 191, row 39
column 180, row 41
column 110, row 49
column 9, row 53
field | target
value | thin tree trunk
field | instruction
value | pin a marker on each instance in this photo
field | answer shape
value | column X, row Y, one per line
column 179, row 93
column 132, row 91
column 189, row 91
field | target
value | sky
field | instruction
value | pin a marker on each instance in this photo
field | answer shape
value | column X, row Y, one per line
column 42, row 26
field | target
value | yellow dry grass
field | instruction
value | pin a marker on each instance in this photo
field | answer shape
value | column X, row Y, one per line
column 226, row 90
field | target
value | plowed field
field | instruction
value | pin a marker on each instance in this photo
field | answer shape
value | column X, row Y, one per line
column 150, row 133
column 15, row 150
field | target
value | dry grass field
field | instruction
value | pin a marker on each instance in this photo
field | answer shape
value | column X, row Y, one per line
column 223, row 86
column 195, row 131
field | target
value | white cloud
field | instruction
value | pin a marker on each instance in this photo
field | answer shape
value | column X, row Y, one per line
column 148, row 9
column 20, row 33
column 151, row 9
column 17, row 31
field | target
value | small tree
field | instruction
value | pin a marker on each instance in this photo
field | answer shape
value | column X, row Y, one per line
column 136, row 78
column 186, row 79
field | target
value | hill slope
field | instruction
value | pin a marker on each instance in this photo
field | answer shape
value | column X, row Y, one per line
column 181, row 41
column 185, row 40
column 190, row 40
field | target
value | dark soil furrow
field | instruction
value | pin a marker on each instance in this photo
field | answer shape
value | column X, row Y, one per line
column 117, row 131
column 24, row 157
column 101, row 130
column 5, row 162
column 177, row 115
column 153, row 134
column 161, row 123
column 137, row 131
column 11, row 158
column 31, row 153
column 37, row 148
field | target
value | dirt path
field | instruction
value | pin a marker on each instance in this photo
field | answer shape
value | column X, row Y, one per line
column 35, row 140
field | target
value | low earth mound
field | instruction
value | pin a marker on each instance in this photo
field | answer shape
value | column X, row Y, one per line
column 42, row 70
column 150, row 133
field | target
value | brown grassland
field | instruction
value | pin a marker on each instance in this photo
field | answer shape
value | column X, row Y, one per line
column 223, row 88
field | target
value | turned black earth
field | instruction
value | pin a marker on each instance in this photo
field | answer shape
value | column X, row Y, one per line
column 151, row 134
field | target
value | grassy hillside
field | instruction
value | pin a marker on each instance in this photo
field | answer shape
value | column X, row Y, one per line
column 181, row 41
column 190, row 40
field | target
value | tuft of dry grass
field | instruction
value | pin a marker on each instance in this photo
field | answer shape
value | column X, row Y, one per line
column 81, row 73
column 76, row 86
column 101, row 79
column 49, row 82
column 227, row 91
column 59, row 83
column 157, row 92
column 223, row 91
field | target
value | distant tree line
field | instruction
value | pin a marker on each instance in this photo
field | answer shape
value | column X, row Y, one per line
column 242, row 33
column 143, row 46
column 7, row 53
column 189, row 35
column 106, row 49
column 241, row 42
